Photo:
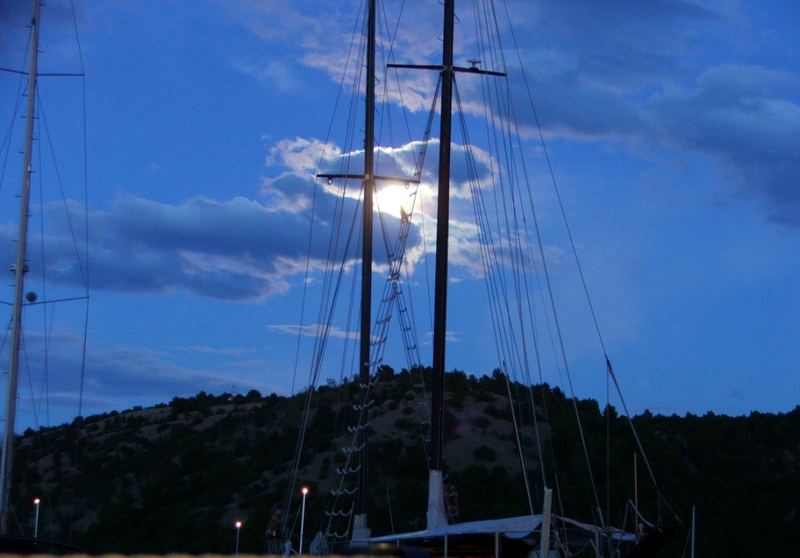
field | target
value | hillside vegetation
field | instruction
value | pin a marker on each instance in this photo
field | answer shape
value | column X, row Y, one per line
column 175, row 477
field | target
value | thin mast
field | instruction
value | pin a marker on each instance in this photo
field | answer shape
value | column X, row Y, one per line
column 442, row 232
column 366, row 248
column 19, row 274
column 436, row 515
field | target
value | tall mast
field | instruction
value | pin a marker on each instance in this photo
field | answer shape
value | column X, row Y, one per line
column 19, row 274
column 366, row 253
column 436, row 513
column 360, row 531
column 436, row 516
column 442, row 232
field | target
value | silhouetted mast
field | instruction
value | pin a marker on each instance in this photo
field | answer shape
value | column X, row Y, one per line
column 19, row 277
column 366, row 251
column 442, row 232
column 436, row 514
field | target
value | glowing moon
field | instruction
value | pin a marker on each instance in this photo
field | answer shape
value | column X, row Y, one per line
column 390, row 200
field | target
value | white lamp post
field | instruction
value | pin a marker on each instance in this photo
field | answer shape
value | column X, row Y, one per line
column 303, row 517
column 238, row 526
column 36, row 502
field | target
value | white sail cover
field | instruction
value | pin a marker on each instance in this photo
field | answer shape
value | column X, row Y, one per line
column 511, row 527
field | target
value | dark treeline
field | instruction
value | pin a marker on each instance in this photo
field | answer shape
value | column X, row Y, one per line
column 175, row 477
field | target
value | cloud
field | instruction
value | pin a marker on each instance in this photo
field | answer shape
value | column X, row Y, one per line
column 216, row 351
column 278, row 75
column 631, row 76
column 120, row 376
column 58, row 34
column 115, row 378
column 744, row 118
column 237, row 250
column 606, row 70
column 313, row 330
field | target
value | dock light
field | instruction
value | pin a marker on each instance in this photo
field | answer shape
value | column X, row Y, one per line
column 238, row 526
column 36, row 502
column 304, row 490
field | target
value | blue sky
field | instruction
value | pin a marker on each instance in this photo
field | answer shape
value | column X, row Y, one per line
column 672, row 128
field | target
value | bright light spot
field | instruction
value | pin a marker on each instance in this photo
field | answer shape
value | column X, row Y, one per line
column 390, row 200
column 238, row 524
column 304, row 491
column 36, row 501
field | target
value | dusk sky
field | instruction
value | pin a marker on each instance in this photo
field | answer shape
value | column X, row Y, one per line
column 673, row 129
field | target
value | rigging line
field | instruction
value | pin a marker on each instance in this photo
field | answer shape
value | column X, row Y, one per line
column 557, row 324
column 60, row 182
column 411, row 307
column 321, row 158
column 423, row 413
column 327, row 292
column 350, row 344
column 394, row 295
column 45, row 333
column 486, row 241
column 13, row 71
column 608, row 448
column 418, row 175
column 30, row 382
column 490, row 119
column 402, row 103
column 392, row 290
column 578, row 264
column 425, row 253
column 314, row 373
column 330, row 298
column 317, row 362
column 540, row 289
column 83, row 264
column 334, row 446
column 515, row 250
column 493, row 266
column 341, row 200
column 77, row 35
column 520, row 272
column 519, row 269
column 6, row 145
column 493, row 274
column 519, row 444
column 418, row 162
column 492, row 140
column 638, row 440
column 346, row 471
column 5, row 338
column 551, row 172
column 85, row 138
column 508, row 112
column 338, row 406
column 577, row 260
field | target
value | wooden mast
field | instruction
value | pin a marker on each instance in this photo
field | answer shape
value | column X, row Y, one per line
column 442, row 232
column 19, row 276
column 366, row 256
column 436, row 516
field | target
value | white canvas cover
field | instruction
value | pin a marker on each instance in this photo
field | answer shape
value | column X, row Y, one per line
column 511, row 527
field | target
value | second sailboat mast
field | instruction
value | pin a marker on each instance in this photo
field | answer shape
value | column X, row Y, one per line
column 442, row 232
column 366, row 252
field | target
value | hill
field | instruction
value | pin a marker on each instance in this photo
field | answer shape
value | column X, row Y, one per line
column 175, row 477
